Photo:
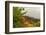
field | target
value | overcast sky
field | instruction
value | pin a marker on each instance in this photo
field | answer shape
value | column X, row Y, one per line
column 33, row 12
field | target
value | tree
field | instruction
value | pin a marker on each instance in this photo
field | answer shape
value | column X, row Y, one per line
column 17, row 16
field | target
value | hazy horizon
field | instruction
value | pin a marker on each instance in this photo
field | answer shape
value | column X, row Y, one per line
column 32, row 12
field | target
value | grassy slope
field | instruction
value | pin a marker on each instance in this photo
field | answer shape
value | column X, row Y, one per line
column 30, row 22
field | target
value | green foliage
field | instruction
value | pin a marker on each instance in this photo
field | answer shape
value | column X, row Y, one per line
column 17, row 16
column 36, row 22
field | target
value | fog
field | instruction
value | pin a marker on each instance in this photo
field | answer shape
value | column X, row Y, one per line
column 33, row 12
